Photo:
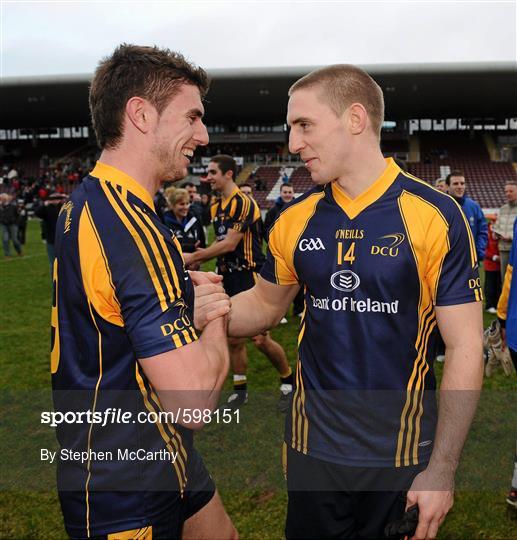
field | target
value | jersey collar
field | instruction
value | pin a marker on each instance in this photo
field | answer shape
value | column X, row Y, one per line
column 226, row 202
column 116, row 176
column 353, row 207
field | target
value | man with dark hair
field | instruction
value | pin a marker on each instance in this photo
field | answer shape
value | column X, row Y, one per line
column 456, row 183
column 124, row 325
column 286, row 196
column 195, row 199
column 364, row 441
column 246, row 189
column 238, row 248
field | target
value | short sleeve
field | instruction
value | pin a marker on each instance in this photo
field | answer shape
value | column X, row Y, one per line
column 134, row 277
column 242, row 213
column 452, row 262
column 279, row 266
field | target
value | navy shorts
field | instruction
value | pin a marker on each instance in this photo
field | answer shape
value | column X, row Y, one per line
column 328, row 500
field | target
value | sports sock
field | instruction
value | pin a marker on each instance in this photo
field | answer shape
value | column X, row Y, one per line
column 240, row 383
column 287, row 378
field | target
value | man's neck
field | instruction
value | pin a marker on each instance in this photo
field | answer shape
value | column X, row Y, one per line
column 363, row 171
column 134, row 165
column 228, row 189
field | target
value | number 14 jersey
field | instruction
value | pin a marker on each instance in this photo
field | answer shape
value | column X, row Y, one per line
column 373, row 269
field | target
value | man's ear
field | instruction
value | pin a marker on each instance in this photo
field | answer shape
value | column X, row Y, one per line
column 357, row 118
column 141, row 114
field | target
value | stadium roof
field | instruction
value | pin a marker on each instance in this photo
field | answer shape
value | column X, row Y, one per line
column 259, row 95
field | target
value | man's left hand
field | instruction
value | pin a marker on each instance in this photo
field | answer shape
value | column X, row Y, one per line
column 434, row 502
column 210, row 300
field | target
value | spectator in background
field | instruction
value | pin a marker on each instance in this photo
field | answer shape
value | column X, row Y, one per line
column 9, row 221
column 456, row 184
column 246, row 189
column 48, row 212
column 492, row 267
column 22, row 221
column 503, row 227
column 286, row 196
column 195, row 199
column 441, row 185
column 185, row 225
column 206, row 219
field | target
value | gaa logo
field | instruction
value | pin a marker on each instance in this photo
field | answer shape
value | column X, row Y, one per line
column 345, row 280
column 310, row 244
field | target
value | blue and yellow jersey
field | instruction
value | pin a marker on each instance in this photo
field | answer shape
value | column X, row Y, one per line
column 372, row 269
column 507, row 305
column 242, row 214
column 120, row 293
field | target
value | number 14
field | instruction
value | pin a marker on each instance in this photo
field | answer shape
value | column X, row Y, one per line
column 349, row 255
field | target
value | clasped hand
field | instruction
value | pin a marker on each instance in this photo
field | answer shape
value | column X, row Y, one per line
column 210, row 300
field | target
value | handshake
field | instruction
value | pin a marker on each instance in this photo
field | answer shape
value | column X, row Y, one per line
column 211, row 301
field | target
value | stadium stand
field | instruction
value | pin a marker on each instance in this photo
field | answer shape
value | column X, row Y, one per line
column 443, row 152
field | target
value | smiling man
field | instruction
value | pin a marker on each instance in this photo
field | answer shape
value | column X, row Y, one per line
column 383, row 258
column 125, row 333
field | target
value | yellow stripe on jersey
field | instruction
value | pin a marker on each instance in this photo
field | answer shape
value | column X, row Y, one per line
column 502, row 305
column 169, row 441
column 155, row 250
column 285, row 236
column 95, row 271
column 94, row 406
column 429, row 247
column 300, row 422
column 165, row 250
column 141, row 247
column 170, row 428
column 55, row 352
column 473, row 254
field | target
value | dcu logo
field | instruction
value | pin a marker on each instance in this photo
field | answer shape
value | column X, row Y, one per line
column 310, row 244
column 345, row 280
column 390, row 250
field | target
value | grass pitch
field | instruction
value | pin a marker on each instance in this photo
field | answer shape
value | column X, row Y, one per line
column 244, row 458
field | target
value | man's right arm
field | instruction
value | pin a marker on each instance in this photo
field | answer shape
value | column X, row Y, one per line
column 192, row 376
column 260, row 308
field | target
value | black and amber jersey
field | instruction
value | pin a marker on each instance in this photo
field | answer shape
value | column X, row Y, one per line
column 242, row 214
column 372, row 268
column 120, row 293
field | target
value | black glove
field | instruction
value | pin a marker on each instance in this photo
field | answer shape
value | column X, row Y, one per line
column 406, row 526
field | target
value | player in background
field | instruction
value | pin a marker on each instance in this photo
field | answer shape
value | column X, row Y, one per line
column 238, row 248
column 384, row 258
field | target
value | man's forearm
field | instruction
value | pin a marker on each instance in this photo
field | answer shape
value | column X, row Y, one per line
column 249, row 317
column 215, row 346
column 459, row 394
column 215, row 249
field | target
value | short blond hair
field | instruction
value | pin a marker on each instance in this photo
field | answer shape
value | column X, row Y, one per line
column 175, row 195
column 344, row 84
